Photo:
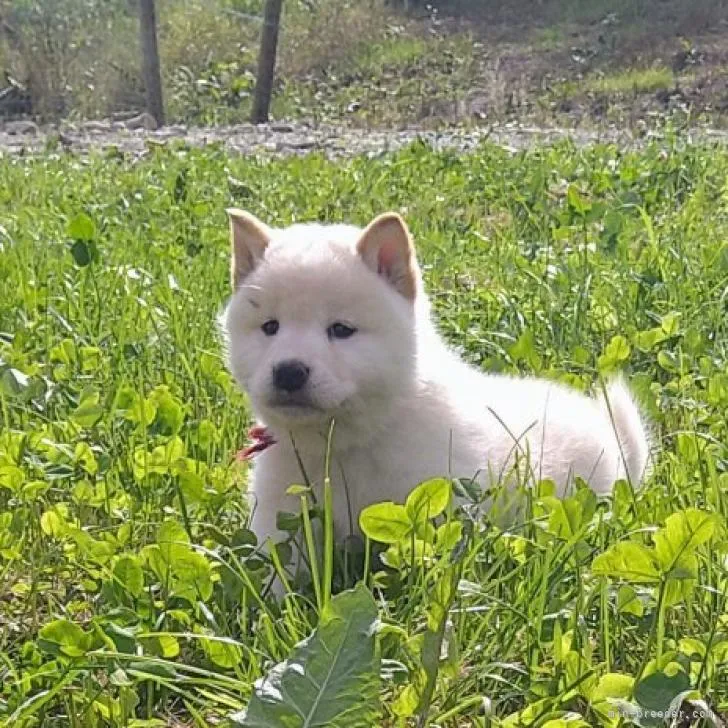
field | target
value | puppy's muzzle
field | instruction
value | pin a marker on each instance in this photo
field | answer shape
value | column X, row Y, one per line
column 290, row 376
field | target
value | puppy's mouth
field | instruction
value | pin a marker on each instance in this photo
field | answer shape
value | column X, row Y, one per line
column 294, row 406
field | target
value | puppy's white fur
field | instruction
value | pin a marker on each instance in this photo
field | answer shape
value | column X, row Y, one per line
column 405, row 407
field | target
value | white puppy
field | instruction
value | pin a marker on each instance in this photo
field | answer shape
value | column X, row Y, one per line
column 331, row 322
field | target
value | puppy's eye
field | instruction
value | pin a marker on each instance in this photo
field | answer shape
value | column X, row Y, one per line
column 340, row 331
column 270, row 328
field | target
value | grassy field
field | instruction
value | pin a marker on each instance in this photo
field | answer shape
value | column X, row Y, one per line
column 130, row 592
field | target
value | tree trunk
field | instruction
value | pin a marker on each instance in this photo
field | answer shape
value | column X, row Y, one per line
column 266, row 61
column 151, row 72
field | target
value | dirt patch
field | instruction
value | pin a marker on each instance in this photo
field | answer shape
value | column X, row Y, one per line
column 541, row 61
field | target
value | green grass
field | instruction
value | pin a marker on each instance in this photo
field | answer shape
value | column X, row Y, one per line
column 617, row 85
column 129, row 593
column 394, row 81
column 641, row 80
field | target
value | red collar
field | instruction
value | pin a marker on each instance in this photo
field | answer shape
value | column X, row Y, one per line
column 261, row 438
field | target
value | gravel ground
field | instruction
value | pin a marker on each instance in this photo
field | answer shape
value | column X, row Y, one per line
column 290, row 139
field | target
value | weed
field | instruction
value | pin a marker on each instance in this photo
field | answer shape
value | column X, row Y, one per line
column 633, row 81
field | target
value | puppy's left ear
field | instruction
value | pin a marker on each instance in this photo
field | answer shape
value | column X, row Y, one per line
column 249, row 237
column 386, row 247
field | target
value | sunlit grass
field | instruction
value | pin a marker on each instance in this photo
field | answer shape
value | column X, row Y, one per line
column 124, row 557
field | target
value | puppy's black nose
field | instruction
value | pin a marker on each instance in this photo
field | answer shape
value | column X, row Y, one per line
column 291, row 375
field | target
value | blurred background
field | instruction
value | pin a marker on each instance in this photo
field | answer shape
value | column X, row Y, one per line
column 371, row 63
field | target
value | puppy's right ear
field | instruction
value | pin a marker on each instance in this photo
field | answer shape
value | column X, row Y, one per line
column 386, row 247
column 249, row 238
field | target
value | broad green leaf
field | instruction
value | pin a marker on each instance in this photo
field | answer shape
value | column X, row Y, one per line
column 668, row 361
column 84, row 456
column 692, row 647
column 65, row 638
column 612, row 685
column 34, row 489
column 284, row 552
column 149, row 463
column 428, row 647
column 192, row 487
column 679, row 589
column 628, row 602
column 159, row 460
column 53, row 524
column 385, row 522
column 525, row 350
column 210, row 364
column 440, row 601
column 88, row 412
column 12, row 382
column 134, row 407
column 204, row 434
column 89, row 547
column 192, row 575
column 577, row 202
column 84, row 252
column 622, row 498
column 657, row 691
column 153, row 558
column 165, row 646
column 289, row 522
column 616, row 353
column 11, row 477
column 129, row 574
column 172, row 540
column 670, row 323
column 629, row 561
column 573, row 721
column 649, row 339
column 718, row 390
column 90, row 357
column 568, row 516
column 448, row 535
column 676, row 541
column 331, row 679
column 169, row 411
column 64, row 353
column 81, row 227
column 174, row 450
column 123, row 639
column 408, row 700
column 223, row 652
column 428, row 500
column 528, row 716
column 687, row 447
